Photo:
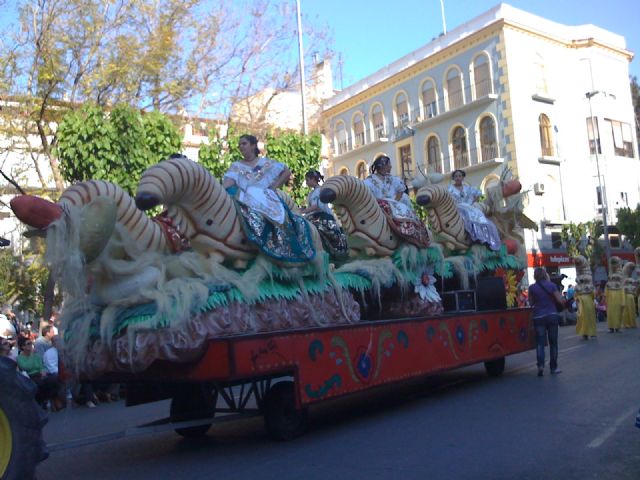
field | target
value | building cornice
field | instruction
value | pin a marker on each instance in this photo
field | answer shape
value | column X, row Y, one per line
column 491, row 23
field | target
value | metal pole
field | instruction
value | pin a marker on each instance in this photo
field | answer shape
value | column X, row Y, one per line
column 302, row 81
column 444, row 22
column 607, row 251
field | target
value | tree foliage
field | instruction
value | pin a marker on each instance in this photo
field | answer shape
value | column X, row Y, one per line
column 300, row 153
column 582, row 239
column 175, row 56
column 629, row 224
column 635, row 100
column 221, row 151
column 116, row 146
column 24, row 279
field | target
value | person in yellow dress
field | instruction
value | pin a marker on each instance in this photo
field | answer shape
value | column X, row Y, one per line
column 614, row 294
column 584, row 291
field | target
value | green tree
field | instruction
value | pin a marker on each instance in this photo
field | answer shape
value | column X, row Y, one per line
column 24, row 278
column 629, row 224
column 582, row 239
column 300, row 153
column 172, row 56
column 635, row 100
column 116, row 146
column 221, row 152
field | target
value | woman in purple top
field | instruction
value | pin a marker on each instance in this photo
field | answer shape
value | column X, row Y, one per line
column 543, row 297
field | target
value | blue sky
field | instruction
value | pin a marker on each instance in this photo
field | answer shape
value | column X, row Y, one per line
column 373, row 33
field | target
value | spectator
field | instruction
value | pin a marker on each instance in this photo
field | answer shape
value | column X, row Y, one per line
column 50, row 361
column 545, row 298
column 5, row 348
column 32, row 365
column 43, row 342
column 601, row 307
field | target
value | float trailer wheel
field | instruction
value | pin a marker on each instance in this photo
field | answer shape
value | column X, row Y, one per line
column 283, row 420
column 21, row 422
column 192, row 402
column 495, row 368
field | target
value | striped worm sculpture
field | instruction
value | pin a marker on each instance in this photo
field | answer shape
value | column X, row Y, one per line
column 503, row 206
column 362, row 219
column 198, row 206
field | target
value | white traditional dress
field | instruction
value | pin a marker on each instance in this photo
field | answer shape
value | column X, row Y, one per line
column 267, row 221
column 402, row 219
column 386, row 188
column 479, row 227
column 253, row 187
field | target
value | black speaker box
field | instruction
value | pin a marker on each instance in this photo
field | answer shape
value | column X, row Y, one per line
column 490, row 294
column 459, row 301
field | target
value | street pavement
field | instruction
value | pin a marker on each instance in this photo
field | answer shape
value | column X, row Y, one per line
column 457, row 425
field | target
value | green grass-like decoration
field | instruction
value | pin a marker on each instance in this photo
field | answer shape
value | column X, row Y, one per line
column 486, row 259
column 222, row 296
column 353, row 281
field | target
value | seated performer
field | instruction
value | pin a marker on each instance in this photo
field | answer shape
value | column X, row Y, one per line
column 477, row 225
column 333, row 238
column 267, row 221
column 390, row 191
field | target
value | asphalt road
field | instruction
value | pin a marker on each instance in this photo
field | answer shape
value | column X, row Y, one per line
column 458, row 425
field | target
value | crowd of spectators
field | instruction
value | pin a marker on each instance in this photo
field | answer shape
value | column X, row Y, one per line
column 36, row 351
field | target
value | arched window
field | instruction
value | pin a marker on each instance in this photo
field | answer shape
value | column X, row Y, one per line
column 358, row 131
column 434, row 165
column 454, row 89
column 341, row 138
column 546, row 137
column 344, row 171
column 459, row 148
column 377, row 122
column 488, row 144
column 481, row 76
column 402, row 110
column 362, row 170
column 429, row 99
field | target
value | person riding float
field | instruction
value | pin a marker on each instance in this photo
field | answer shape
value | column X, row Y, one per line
column 320, row 215
column 268, row 222
column 479, row 228
column 391, row 194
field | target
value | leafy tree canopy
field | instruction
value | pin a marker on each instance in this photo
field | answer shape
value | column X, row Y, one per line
column 581, row 239
column 116, row 146
column 629, row 224
column 300, row 153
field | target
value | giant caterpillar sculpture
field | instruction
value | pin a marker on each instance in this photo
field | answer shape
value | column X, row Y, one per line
column 198, row 205
column 360, row 215
column 503, row 206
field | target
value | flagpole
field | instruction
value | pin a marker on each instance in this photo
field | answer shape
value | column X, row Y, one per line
column 444, row 22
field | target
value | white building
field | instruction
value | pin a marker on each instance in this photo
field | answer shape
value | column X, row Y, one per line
column 507, row 87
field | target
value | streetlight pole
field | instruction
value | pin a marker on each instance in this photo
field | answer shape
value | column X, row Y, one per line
column 444, row 22
column 302, row 81
column 607, row 248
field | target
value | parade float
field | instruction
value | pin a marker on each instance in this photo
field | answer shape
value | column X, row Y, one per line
column 184, row 306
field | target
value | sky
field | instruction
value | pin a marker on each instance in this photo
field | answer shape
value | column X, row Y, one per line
column 370, row 34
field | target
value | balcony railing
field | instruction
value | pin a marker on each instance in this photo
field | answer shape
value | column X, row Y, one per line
column 488, row 152
column 358, row 139
column 379, row 132
column 455, row 99
column 482, row 88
